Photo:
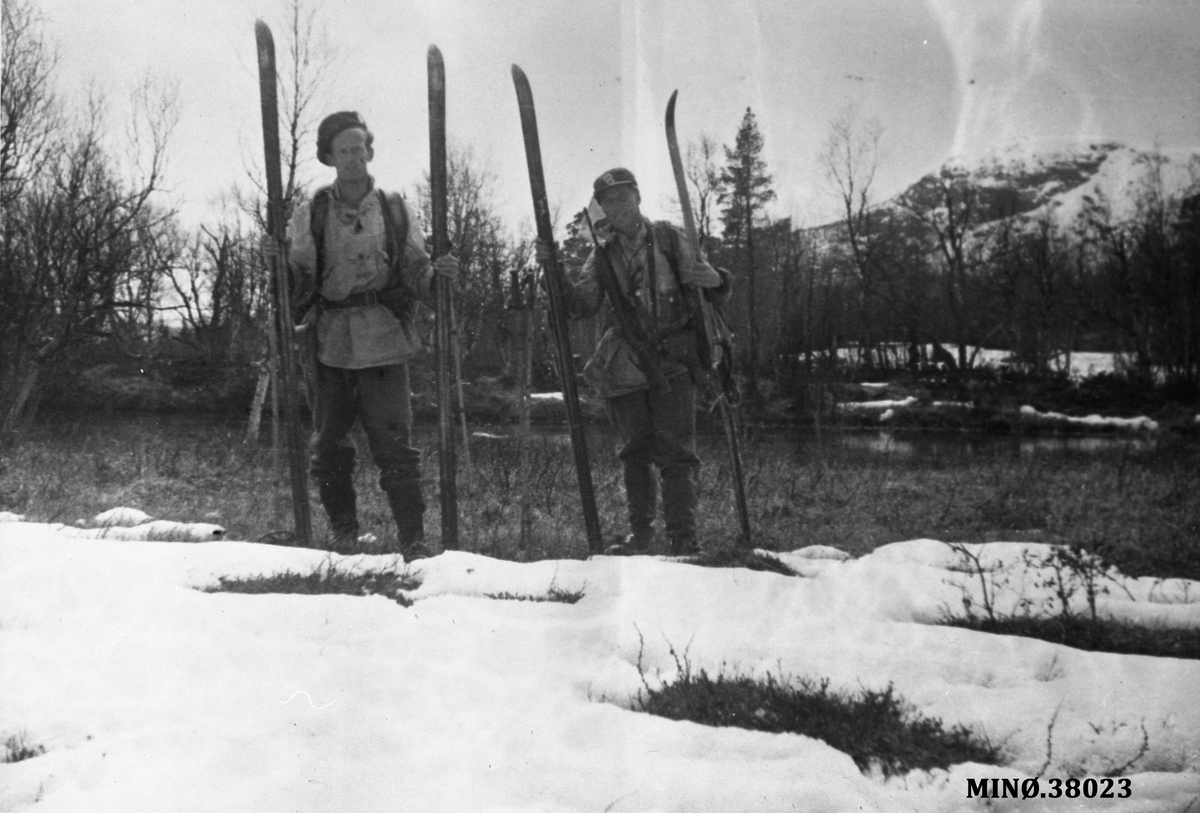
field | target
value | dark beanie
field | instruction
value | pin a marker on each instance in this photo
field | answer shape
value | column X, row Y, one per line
column 333, row 124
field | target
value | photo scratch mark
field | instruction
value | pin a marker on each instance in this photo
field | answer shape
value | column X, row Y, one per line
column 310, row 701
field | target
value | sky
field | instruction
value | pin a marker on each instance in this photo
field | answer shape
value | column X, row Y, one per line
column 148, row 694
column 944, row 78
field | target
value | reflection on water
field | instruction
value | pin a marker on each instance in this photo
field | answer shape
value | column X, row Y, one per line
column 908, row 444
column 896, row 444
column 805, row 443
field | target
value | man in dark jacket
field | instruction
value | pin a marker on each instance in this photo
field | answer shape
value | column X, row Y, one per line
column 654, row 277
column 358, row 256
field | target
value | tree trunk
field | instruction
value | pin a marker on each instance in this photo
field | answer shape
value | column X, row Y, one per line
column 751, row 320
column 256, row 406
column 16, row 417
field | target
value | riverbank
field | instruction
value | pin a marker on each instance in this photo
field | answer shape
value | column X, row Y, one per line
column 1129, row 497
column 985, row 402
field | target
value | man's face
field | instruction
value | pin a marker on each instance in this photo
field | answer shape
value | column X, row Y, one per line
column 622, row 207
column 351, row 154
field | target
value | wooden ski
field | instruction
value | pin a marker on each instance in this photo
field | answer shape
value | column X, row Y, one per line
column 712, row 331
column 557, row 309
column 296, row 438
column 443, row 336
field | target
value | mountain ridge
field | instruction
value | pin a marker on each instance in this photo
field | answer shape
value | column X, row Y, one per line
column 1018, row 181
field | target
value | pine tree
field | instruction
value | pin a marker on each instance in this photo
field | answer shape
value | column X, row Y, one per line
column 746, row 192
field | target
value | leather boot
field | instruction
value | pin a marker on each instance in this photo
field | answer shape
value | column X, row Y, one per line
column 640, row 542
column 641, row 498
column 679, row 509
column 341, row 506
column 408, row 509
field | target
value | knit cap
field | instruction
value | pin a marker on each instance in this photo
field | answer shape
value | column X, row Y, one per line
column 333, row 124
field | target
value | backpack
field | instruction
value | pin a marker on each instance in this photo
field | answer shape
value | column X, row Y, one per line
column 396, row 294
column 668, row 237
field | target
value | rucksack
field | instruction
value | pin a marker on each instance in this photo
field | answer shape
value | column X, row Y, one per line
column 396, row 294
column 668, row 237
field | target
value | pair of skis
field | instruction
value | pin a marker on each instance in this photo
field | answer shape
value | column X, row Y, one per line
column 296, row 440
column 558, row 316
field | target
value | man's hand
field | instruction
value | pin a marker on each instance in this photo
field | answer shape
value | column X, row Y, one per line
column 701, row 275
column 446, row 266
column 541, row 251
column 269, row 247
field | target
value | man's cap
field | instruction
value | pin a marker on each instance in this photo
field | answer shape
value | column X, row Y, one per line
column 614, row 177
column 333, row 124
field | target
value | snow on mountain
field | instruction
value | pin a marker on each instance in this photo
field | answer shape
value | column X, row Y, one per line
column 1027, row 181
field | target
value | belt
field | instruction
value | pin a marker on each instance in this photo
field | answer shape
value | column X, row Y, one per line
column 359, row 300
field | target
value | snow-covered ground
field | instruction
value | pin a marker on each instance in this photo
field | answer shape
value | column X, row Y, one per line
column 887, row 408
column 1092, row 421
column 150, row 695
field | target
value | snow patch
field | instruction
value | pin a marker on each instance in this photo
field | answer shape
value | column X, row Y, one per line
column 857, row 406
column 124, row 517
column 157, row 531
column 1139, row 423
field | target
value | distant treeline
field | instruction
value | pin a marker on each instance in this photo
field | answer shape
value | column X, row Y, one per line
column 95, row 267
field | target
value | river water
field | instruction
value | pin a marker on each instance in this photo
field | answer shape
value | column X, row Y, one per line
column 805, row 444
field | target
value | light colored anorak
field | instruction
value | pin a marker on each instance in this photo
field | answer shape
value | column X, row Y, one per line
column 613, row 369
column 356, row 262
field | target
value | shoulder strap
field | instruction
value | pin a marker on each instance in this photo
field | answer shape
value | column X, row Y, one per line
column 624, row 308
column 667, row 237
column 671, row 241
column 644, row 346
column 400, row 297
column 395, row 229
column 318, row 215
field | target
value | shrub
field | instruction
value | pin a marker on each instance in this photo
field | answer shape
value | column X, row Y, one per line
column 17, row 748
column 739, row 557
column 876, row 728
column 553, row 594
column 325, row 579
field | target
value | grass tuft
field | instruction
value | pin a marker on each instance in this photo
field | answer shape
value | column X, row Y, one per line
column 553, row 594
column 738, row 557
column 876, row 728
column 327, row 579
column 18, row 749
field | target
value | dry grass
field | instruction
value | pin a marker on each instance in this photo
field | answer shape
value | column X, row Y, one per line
column 1134, row 504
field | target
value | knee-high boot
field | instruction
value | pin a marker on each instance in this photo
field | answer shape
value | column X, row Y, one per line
column 408, row 509
column 679, row 508
column 641, row 497
column 341, row 506
column 333, row 472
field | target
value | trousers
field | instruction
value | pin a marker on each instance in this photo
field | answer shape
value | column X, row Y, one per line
column 379, row 397
column 658, row 431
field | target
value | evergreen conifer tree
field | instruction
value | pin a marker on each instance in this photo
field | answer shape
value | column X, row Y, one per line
column 746, row 191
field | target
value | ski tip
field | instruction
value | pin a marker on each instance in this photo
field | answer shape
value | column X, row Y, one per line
column 671, row 107
column 265, row 42
column 517, row 72
column 435, row 53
